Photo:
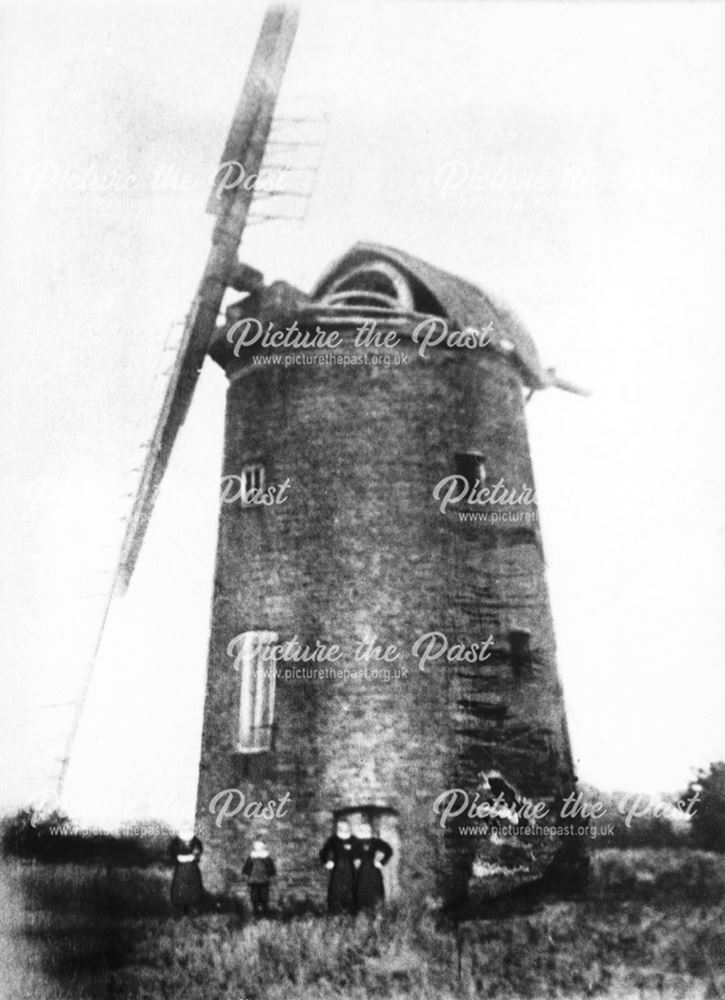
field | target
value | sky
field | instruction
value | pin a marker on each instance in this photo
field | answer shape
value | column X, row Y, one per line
column 566, row 157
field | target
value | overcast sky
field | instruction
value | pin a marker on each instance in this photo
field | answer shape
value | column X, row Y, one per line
column 567, row 157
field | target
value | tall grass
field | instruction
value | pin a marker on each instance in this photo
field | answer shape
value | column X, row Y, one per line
column 653, row 926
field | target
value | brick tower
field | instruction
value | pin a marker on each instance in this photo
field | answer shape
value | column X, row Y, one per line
column 358, row 554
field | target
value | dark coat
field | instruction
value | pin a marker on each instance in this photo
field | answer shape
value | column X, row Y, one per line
column 369, row 889
column 186, row 885
column 259, row 870
column 341, row 887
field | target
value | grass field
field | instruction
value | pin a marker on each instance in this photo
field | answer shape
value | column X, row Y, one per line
column 653, row 926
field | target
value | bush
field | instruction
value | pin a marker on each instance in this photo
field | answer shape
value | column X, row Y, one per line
column 643, row 831
column 708, row 820
column 55, row 839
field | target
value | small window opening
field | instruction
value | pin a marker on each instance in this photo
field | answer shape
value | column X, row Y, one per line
column 520, row 646
column 471, row 465
column 252, row 484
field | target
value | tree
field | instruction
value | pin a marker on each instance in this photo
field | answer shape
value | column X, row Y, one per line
column 708, row 818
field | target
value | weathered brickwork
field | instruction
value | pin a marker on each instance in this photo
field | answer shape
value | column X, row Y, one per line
column 361, row 548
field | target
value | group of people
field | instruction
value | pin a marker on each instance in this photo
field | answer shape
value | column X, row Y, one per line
column 354, row 864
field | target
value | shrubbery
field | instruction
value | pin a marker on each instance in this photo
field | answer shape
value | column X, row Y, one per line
column 641, row 831
column 708, row 822
column 53, row 838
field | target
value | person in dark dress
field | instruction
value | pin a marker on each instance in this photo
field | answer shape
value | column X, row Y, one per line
column 260, row 870
column 337, row 856
column 370, row 854
column 187, row 890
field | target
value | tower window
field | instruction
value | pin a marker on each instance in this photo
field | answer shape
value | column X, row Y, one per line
column 470, row 465
column 255, row 661
column 520, row 646
column 373, row 284
column 252, row 483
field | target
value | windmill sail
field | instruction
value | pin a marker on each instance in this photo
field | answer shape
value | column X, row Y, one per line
column 251, row 125
column 245, row 147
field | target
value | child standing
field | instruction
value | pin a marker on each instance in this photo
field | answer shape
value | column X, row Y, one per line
column 260, row 870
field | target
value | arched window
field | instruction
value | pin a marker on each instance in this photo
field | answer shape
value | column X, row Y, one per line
column 377, row 284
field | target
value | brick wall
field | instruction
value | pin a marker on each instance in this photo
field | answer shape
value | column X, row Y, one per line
column 361, row 548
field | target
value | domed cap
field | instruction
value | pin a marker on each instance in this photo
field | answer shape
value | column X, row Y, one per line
column 379, row 276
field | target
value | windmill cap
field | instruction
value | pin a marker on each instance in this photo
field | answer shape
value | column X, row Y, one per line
column 432, row 291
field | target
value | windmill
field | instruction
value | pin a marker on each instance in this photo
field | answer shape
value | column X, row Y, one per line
column 364, row 733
